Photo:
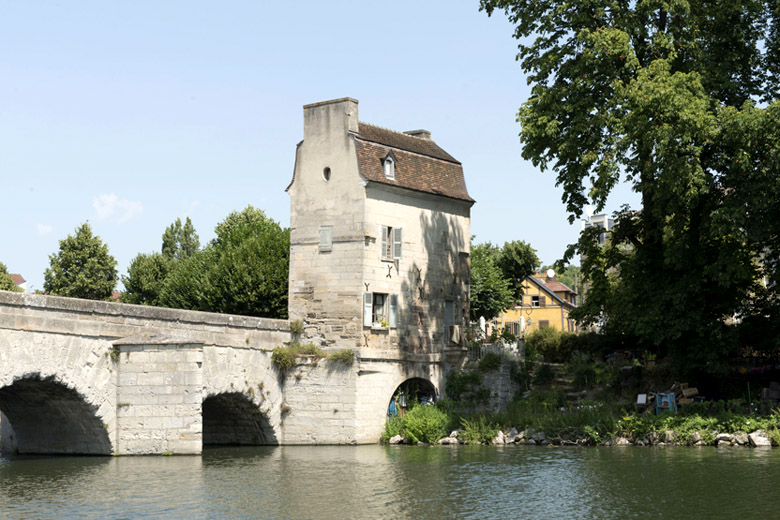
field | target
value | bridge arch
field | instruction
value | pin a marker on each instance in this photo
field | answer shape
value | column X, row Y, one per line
column 411, row 391
column 233, row 418
column 48, row 416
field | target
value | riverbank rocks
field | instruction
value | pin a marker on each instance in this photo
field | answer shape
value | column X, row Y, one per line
column 668, row 436
column 446, row 441
column 622, row 441
column 396, row 439
column 741, row 439
column 758, row 439
column 499, row 439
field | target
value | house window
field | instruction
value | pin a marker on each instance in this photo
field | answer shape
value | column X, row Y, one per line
column 543, row 324
column 388, row 165
column 390, row 243
column 380, row 310
column 326, row 238
column 535, row 301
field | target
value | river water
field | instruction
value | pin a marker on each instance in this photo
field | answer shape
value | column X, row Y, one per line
column 392, row 482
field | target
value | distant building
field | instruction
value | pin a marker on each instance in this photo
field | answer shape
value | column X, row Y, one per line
column 379, row 235
column 601, row 221
column 19, row 281
column 545, row 303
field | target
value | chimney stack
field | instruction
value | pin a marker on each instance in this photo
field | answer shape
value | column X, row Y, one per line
column 422, row 134
column 330, row 118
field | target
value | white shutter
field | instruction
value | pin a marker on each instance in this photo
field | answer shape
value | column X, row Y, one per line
column 393, row 314
column 383, row 251
column 326, row 238
column 368, row 304
column 397, row 243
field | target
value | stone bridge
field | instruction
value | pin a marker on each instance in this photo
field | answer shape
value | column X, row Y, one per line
column 86, row 377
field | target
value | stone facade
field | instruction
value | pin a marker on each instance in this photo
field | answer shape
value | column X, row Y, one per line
column 377, row 262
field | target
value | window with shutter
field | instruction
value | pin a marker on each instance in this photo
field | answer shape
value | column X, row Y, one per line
column 368, row 304
column 386, row 253
column 397, row 241
column 393, row 313
column 326, row 238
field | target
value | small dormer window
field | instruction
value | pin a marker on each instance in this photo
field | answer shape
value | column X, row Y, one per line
column 388, row 163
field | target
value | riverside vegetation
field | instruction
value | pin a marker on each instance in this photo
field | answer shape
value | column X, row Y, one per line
column 598, row 412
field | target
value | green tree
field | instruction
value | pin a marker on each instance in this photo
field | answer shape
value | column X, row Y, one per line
column 661, row 94
column 6, row 282
column 180, row 241
column 491, row 292
column 517, row 260
column 82, row 268
column 145, row 278
column 244, row 270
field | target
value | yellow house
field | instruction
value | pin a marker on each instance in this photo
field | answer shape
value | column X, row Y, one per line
column 545, row 303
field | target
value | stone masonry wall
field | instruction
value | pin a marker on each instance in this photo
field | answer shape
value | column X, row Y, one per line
column 159, row 396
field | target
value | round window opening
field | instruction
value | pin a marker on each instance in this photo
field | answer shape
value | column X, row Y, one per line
column 326, row 174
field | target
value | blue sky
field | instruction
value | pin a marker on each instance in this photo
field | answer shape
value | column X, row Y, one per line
column 131, row 114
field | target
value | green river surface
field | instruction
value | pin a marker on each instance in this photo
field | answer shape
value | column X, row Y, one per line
column 394, row 482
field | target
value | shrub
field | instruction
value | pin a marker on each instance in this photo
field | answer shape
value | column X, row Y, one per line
column 489, row 362
column 346, row 356
column 296, row 327
column 547, row 342
column 543, row 374
column 285, row 357
column 461, row 383
column 583, row 370
column 478, row 431
column 393, row 427
column 424, row 424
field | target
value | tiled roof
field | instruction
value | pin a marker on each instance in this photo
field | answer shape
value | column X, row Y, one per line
column 402, row 141
column 419, row 163
column 558, row 287
column 17, row 278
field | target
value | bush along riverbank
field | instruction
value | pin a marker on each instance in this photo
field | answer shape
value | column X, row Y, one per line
column 539, row 421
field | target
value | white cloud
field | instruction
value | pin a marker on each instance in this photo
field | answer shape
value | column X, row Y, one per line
column 44, row 229
column 192, row 208
column 110, row 207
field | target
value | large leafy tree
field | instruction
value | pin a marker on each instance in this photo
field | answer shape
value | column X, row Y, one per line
column 145, row 278
column 244, row 270
column 517, row 260
column 82, row 268
column 491, row 291
column 147, row 272
column 180, row 241
column 6, row 282
column 678, row 98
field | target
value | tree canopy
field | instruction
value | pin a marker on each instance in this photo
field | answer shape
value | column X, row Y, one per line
column 678, row 99
column 517, row 260
column 244, row 270
column 6, row 282
column 180, row 241
column 145, row 278
column 491, row 291
column 82, row 268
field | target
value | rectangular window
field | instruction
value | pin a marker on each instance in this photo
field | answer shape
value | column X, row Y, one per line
column 543, row 324
column 380, row 310
column 391, row 242
column 326, row 238
column 535, row 301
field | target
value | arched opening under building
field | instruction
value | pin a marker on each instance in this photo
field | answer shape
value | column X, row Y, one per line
column 47, row 417
column 412, row 392
column 233, row 419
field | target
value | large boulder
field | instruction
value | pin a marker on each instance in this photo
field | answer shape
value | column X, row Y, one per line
column 396, row 439
column 758, row 439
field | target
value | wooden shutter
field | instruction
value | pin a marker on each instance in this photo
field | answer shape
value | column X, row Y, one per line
column 397, row 241
column 384, row 244
column 368, row 304
column 542, row 301
column 393, row 314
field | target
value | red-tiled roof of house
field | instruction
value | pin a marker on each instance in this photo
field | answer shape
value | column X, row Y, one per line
column 17, row 278
column 558, row 287
column 419, row 163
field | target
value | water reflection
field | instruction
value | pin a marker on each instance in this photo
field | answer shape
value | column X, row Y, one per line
column 397, row 482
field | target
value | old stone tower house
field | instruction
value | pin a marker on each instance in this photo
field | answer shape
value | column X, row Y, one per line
column 380, row 234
